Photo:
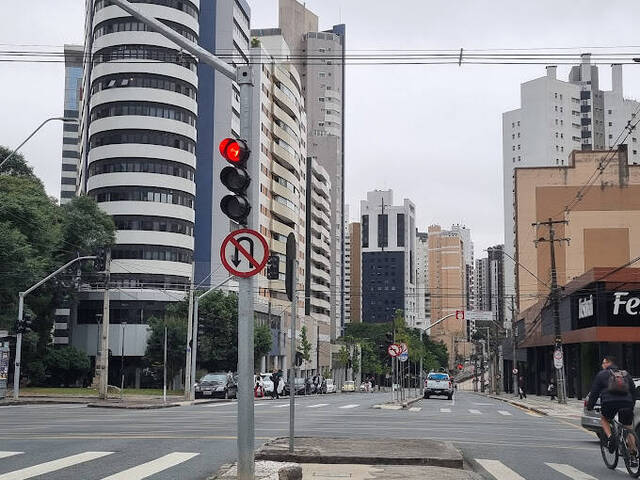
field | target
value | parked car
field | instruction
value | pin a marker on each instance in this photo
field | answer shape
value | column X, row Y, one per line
column 349, row 386
column 267, row 383
column 591, row 418
column 300, row 386
column 218, row 385
column 438, row 384
column 330, row 386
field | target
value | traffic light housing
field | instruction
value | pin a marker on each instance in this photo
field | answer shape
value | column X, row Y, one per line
column 25, row 325
column 299, row 359
column 100, row 262
column 236, row 178
column 273, row 267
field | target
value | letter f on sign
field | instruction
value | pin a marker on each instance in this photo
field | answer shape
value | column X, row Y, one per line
column 618, row 302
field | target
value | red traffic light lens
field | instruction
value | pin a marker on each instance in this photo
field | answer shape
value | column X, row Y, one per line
column 234, row 151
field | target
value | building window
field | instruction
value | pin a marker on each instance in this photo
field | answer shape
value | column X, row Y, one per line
column 610, row 112
column 383, row 230
column 365, row 231
column 400, row 230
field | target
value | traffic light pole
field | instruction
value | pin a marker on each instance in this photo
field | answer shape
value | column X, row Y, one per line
column 21, row 295
column 103, row 384
column 292, row 362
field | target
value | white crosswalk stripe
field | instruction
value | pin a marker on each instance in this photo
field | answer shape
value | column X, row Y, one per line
column 504, row 412
column 318, row 405
column 281, row 406
column 415, row 409
column 48, row 467
column 9, row 454
column 445, row 410
column 475, row 412
column 499, row 470
column 151, row 468
column 570, row 471
column 353, row 405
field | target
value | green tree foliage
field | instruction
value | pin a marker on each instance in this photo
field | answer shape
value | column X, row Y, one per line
column 65, row 366
column 304, row 346
column 217, row 337
column 373, row 341
column 36, row 237
column 176, row 345
column 262, row 340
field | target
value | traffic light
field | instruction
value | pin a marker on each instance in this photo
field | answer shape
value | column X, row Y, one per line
column 100, row 262
column 290, row 266
column 298, row 359
column 236, row 178
column 273, row 267
column 25, row 325
column 389, row 337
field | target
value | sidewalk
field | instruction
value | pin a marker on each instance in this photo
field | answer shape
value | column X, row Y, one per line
column 543, row 404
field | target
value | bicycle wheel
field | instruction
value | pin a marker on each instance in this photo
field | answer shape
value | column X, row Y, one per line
column 610, row 459
column 632, row 459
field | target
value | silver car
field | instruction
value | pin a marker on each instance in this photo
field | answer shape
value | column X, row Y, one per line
column 591, row 418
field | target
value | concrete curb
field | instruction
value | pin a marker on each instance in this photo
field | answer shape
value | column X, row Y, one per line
column 17, row 403
column 133, row 407
column 408, row 403
column 288, row 471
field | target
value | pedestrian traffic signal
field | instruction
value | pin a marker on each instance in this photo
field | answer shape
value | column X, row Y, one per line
column 236, row 178
column 25, row 325
column 273, row 267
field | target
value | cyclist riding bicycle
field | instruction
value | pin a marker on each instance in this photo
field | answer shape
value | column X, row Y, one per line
column 617, row 394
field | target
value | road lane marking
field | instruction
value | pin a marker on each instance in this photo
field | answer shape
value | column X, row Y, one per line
column 211, row 405
column 484, row 404
column 475, row 412
column 445, row 410
column 9, row 454
column 48, row 467
column 570, row 471
column 151, row 468
column 318, row 405
column 504, row 412
column 353, row 405
column 499, row 470
column 281, row 406
column 415, row 409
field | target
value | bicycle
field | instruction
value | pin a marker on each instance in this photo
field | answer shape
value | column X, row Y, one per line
column 631, row 461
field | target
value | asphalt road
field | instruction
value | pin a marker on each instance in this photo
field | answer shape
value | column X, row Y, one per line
column 75, row 442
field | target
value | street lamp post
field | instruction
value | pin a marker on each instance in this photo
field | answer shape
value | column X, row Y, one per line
column 12, row 154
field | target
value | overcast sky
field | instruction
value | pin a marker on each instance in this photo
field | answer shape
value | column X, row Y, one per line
column 431, row 133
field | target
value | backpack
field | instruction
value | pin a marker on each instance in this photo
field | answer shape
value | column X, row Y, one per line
column 618, row 382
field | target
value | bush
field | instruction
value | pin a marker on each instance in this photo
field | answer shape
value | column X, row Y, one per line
column 65, row 366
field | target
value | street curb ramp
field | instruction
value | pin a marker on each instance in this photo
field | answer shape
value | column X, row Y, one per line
column 377, row 451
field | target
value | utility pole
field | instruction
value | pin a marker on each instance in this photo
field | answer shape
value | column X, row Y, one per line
column 555, row 301
column 292, row 362
column 514, row 337
column 188, row 377
column 103, row 384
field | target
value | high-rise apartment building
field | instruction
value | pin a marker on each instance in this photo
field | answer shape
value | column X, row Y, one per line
column 481, row 285
column 73, row 71
column 224, row 28
column 557, row 117
column 346, row 306
column 489, row 294
column 388, row 258
column 423, row 295
column 323, row 85
column 138, row 134
column 353, row 274
column 448, row 288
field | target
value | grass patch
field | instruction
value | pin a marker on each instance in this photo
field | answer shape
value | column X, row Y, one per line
column 90, row 392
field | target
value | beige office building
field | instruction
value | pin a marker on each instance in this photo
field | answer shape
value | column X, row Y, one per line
column 448, row 292
column 603, row 227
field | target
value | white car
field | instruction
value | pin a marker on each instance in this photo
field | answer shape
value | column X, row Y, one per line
column 438, row 384
column 349, row 386
column 330, row 387
column 267, row 383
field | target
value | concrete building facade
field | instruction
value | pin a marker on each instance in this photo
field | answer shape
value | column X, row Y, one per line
column 448, row 289
column 423, row 294
column 353, row 275
column 73, row 71
column 557, row 117
column 323, row 86
column 388, row 258
column 604, row 226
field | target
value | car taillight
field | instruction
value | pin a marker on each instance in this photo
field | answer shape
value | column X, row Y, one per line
column 450, row 384
column 585, row 403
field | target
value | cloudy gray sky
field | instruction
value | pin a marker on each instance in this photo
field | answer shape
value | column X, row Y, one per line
column 431, row 133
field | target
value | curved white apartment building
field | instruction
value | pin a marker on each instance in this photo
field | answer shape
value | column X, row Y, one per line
column 138, row 159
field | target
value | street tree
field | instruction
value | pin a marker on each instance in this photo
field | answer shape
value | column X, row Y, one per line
column 304, row 346
column 176, row 346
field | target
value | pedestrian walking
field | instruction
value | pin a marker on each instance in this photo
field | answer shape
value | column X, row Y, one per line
column 522, row 387
column 551, row 389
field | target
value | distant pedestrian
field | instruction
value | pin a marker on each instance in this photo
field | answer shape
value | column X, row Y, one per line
column 522, row 387
column 551, row 389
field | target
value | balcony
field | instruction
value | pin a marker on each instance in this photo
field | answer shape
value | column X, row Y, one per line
column 585, row 94
column 585, row 134
column 585, row 108
column 585, row 121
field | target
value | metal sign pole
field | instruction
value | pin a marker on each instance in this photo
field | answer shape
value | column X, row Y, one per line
column 246, row 426
column 292, row 379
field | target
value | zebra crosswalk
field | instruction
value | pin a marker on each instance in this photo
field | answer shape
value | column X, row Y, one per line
column 138, row 472
column 557, row 471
